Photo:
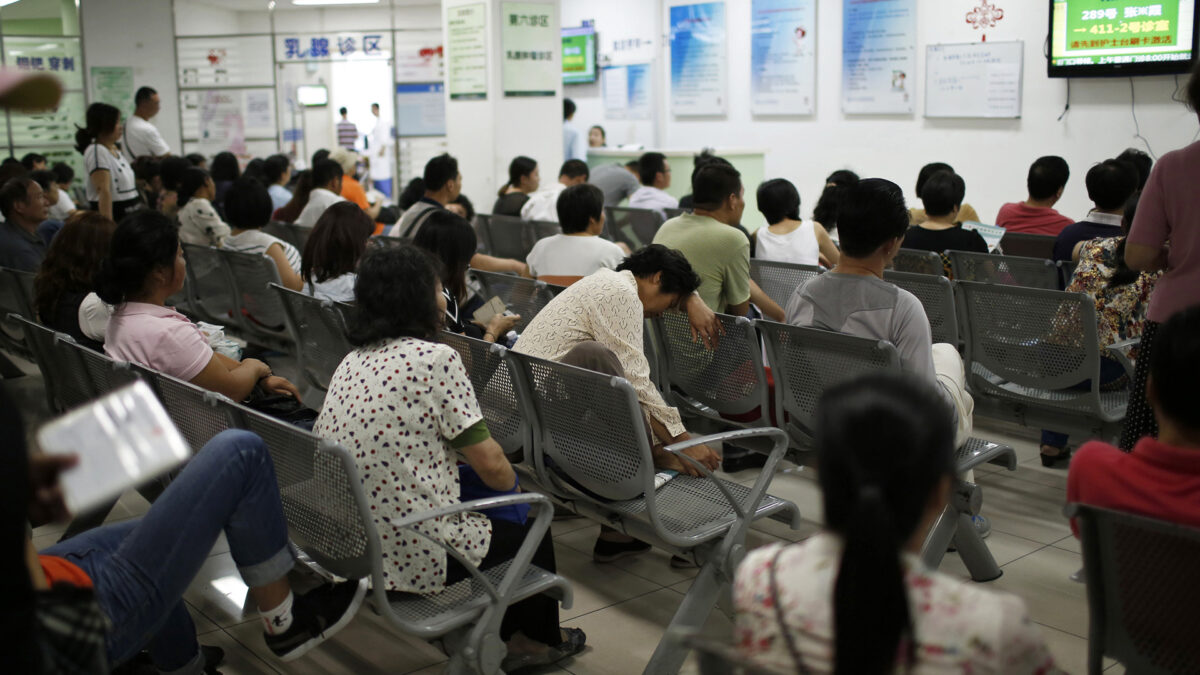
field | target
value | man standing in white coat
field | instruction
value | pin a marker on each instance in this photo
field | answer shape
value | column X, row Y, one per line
column 381, row 153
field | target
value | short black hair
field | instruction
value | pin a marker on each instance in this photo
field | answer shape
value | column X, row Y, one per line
column 450, row 239
column 634, row 166
column 342, row 111
column 439, row 171
column 842, row 178
column 192, row 180
column 713, row 183
column 942, row 192
column 196, row 159
column 927, row 171
column 871, row 213
column 318, row 156
column 568, row 108
column 578, row 205
column 143, row 94
column 391, row 277
column 1047, row 175
column 411, row 194
column 778, row 200
column 147, row 168
column 678, row 277
column 224, row 167
column 1174, row 367
column 32, row 158
column 14, row 191
column 172, row 168
column 274, row 167
column 64, row 172
column 1110, row 183
column 374, row 105
column 43, row 177
column 1141, row 161
column 650, row 165
column 574, row 168
column 248, row 204
column 462, row 201
column 325, row 171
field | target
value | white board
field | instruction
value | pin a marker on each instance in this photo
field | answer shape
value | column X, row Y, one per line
column 980, row 79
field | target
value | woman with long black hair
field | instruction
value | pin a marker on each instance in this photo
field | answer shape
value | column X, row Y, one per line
column 856, row 598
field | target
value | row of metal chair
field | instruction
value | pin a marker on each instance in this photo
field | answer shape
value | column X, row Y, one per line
column 327, row 512
column 512, row 237
column 988, row 267
column 231, row 288
column 296, row 235
column 16, row 297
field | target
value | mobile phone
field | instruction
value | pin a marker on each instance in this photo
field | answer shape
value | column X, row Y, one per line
column 122, row 439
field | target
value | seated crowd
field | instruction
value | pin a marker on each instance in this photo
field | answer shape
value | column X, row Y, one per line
column 106, row 267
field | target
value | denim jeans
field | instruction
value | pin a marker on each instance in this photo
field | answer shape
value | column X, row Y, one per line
column 141, row 568
column 1110, row 371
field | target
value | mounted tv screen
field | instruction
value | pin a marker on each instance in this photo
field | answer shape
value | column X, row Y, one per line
column 1119, row 38
column 312, row 95
column 579, row 55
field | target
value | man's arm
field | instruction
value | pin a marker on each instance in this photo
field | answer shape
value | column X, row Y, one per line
column 769, row 307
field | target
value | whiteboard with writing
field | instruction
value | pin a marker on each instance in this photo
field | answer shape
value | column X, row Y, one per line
column 980, row 79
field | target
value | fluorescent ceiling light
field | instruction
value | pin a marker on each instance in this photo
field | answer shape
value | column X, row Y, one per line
column 4, row 3
column 321, row 2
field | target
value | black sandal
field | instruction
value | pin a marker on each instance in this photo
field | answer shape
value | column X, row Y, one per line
column 1049, row 461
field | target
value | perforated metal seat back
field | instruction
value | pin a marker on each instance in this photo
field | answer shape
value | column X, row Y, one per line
column 545, row 228
column 317, row 482
column 1032, row 337
column 917, row 262
column 807, row 361
column 730, row 379
column 300, row 234
column 936, row 294
column 199, row 414
column 14, row 300
column 1142, row 590
column 525, row 297
column 510, row 237
column 635, row 227
column 252, row 274
column 67, row 379
column 1027, row 245
column 211, row 284
column 1004, row 269
column 281, row 230
column 483, row 232
column 319, row 332
column 779, row 280
column 494, row 389
column 589, row 426
column 103, row 371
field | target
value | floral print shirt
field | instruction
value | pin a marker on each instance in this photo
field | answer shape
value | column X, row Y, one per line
column 1120, row 312
column 395, row 406
column 958, row 627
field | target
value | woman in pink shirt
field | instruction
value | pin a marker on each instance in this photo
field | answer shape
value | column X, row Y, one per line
column 144, row 267
column 1165, row 235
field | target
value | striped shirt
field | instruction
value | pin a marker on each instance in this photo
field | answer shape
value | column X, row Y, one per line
column 347, row 134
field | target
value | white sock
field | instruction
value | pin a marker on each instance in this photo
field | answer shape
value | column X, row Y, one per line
column 278, row 620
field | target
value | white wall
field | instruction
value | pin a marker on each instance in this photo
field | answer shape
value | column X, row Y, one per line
column 991, row 155
column 148, row 46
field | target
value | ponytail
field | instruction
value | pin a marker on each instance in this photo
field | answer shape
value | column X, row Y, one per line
column 193, row 179
column 144, row 241
column 101, row 119
column 520, row 167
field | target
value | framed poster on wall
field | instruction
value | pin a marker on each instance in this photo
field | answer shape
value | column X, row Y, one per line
column 879, row 56
column 530, row 42
column 783, row 57
column 698, row 59
column 466, row 51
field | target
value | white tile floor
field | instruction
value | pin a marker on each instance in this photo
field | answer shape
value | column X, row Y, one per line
column 625, row 606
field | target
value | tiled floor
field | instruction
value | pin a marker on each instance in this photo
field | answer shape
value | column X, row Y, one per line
column 625, row 606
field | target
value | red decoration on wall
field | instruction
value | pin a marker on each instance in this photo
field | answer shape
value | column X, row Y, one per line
column 984, row 16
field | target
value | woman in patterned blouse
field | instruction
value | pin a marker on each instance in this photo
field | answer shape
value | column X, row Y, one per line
column 402, row 405
column 857, row 598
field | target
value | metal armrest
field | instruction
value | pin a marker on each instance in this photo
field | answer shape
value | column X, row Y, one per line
column 764, row 477
column 1119, row 352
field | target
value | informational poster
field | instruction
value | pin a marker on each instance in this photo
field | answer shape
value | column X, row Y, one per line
column 259, row 113
column 783, row 57
column 530, row 42
column 879, row 56
column 421, row 109
column 699, row 59
column 113, row 85
column 975, row 79
column 466, row 47
column 627, row 92
column 420, row 56
column 222, row 121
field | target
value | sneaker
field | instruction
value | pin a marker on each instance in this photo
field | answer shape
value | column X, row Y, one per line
column 983, row 527
column 575, row 642
column 608, row 551
column 681, row 563
column 316, row 617
column 735, row 462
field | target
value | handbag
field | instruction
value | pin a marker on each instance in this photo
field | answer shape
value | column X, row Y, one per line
column 281, row 407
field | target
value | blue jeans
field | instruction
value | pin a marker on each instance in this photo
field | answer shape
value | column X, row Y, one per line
column 1110, row 371
column 141, row 568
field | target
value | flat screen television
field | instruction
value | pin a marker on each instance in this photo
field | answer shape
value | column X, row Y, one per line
column 312, row 95
column 1119, row 38
column 579, row 55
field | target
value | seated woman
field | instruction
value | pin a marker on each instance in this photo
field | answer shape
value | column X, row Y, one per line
column 171, row 171
column 144, row 267
column 63, row 290
column 917, row 216
column 411, row 453
column 1122, row 297
column 856, row 598
column 288, row 213
column 225, row 170
column 523, row 180
column 248, row 209
column 787, row 238
column 451, row 240
column 942, row 228
column 565, row 258
column 352, row 190
column 199, row 222
column 333, row 250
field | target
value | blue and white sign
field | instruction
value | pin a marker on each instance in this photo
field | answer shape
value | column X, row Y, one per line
column 333, row 46
column 421, row 109
column 627, row 92
column 879, row 56
column 699, row 59
column 783, row 57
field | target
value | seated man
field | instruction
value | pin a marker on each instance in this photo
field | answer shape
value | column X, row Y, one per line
column 327, row 191
column 655, row 174
column 579, row 250
column 542, row 205
column 854, row 299
column 23, row 205
column 618, row 182
column 1109, row 185
column 597, row 324
column 1036, row 215
column 1160, row 478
